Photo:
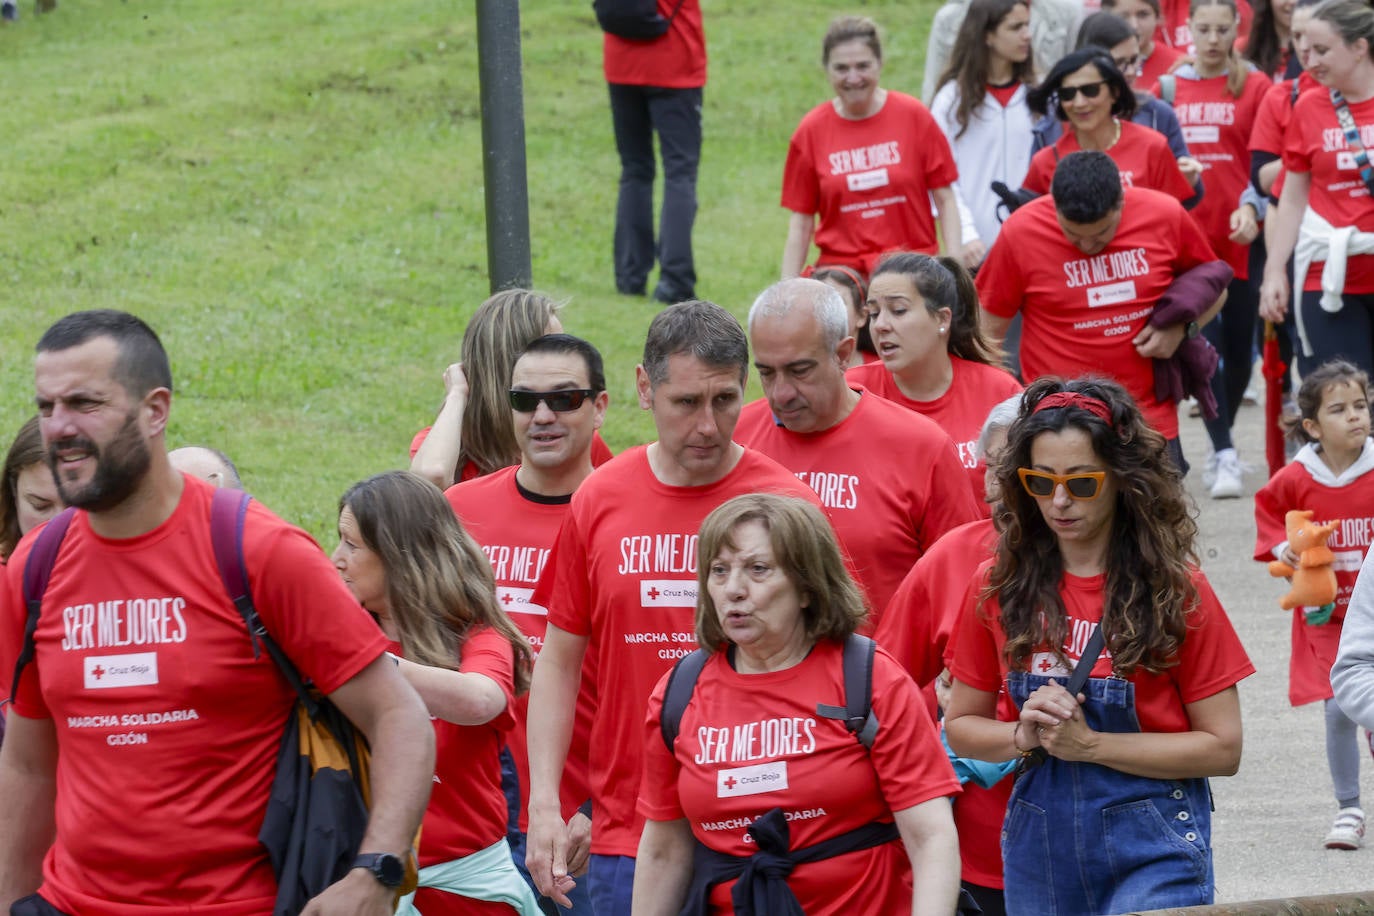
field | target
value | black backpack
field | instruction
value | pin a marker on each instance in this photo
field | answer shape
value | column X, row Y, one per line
column 638, row 20
column 856, row 713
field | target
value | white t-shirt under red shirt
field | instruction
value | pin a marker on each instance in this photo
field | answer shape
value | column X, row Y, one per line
column 869, row 180
column 167, row 726
column 624, row 573
column 749, row 743
column 1081, row 312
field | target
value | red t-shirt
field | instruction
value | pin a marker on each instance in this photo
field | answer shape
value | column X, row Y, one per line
column 1293, row 487
column 749, row 743
column 1211, row 659
column 167, row 726
column 885, row 513
column 517, row 531
column 1081, row 312
column 1316, row 144
column 1217, row 127
column 1161, row 58
column 869, row 181
column 1276, row 113
column 961, row 411
column 624, row 573
column 601, row 453
column 676, row 60
column 920, row 618
column 1142, row 154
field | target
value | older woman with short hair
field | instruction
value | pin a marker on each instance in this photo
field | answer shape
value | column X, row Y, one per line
column 762, row 750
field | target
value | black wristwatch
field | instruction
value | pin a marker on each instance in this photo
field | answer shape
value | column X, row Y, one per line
column 389, row 870
column 1191, row 330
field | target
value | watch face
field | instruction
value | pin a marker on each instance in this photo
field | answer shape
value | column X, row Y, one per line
column 390, row 870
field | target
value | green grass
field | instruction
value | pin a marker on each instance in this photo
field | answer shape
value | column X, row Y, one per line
column 291, row 194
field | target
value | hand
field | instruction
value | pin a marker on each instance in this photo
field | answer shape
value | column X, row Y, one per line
column 1274, row 295
column 1191, row 169
column 944, row 688
column 546, row 855
column 1244, row 226
column 972, row 253
column 579, row 843
column 1047, row 707
column 1159, row 343
column 1071, row 739
column 455, row 383
column 357, row 893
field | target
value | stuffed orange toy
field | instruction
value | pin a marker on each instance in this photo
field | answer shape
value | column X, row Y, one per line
column 1313, row 579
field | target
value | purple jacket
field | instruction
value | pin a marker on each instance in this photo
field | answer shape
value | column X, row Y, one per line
column 1189, row 371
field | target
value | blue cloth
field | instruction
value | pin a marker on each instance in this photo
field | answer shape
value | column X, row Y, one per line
column 979, row 772
column 1081, row 838
column 488, row 874
column 611, row 882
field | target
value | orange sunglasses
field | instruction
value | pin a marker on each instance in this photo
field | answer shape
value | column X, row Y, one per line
column 1042, row 484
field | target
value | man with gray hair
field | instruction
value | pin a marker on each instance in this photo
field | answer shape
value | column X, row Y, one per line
column 209, row 464
column 889, row 478
column 622, row 581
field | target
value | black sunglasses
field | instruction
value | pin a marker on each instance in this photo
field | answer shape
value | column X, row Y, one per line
column 1090, row 90
column 560, row 401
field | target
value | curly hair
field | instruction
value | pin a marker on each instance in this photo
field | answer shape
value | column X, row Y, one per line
column 1150, row 554
column 439, row 583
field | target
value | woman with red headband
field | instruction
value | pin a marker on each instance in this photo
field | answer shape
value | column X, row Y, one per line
column 1118, row 663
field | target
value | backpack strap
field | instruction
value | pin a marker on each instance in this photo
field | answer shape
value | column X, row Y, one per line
column 228, row 509
column 681, row 684
column 1168, row 85
column 857, row 711
column 37, row 571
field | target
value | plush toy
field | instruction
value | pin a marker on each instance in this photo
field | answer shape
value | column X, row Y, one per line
column 1314, row 581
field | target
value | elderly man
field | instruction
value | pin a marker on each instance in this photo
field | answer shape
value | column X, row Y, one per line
column 889, row 478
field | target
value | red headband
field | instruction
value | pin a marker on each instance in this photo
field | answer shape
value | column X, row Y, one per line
column 1094, row 406
column 849, row 272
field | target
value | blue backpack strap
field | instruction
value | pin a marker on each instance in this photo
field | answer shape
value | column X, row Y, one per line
column 681, row 684
column 37, row 571
column 228, row 509
column 857, row 711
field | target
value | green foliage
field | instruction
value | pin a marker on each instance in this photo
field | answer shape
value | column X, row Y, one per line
column 291, row 194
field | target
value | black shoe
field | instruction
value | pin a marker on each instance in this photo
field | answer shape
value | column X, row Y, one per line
column 667, row 297
column 628, row 290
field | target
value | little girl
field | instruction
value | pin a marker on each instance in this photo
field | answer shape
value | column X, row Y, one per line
column 1330, row 475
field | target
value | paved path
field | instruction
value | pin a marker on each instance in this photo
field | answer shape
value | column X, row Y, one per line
column 1272, row 816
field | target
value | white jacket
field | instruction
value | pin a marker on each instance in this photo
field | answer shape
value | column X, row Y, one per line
column 996, row 147
column 1318, row 240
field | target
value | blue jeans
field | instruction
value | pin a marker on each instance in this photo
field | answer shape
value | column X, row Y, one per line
column 637, row 113
column 1080, row 838
column 1347, row 334
column 611, row 880
column 510, row 786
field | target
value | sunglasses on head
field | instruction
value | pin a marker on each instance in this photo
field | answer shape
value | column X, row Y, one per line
column 1042, row 484
column 559, row 401
column 1090, row 90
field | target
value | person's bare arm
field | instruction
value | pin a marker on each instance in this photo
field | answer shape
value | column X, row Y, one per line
column 455, row 696
column 553, row 704
column 1281, row 236
column 932, row 846
column 800, row 228
column 379, row 702
column 951, row 228
column 994, row 326
column 436, row 460
column 973, row 730
column 28, row 764
column 663, row 868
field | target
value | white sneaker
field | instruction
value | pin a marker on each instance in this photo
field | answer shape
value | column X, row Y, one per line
column 1251, row 396
column 1226, row 481
column 1209, row 471
column 1347, row 830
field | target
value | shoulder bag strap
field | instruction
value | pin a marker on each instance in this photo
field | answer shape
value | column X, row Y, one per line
column 37, row 571
column 1352, row 138
column 681, row 684
column 857, row 711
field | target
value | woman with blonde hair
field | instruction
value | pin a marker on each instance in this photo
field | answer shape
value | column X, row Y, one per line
column 405, row 557
column 473, row 434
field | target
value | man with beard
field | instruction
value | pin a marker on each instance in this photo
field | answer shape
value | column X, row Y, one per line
column 143, row 735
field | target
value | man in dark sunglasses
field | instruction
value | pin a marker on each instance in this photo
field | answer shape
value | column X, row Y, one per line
column 886, row 512
column 622, row 581
column 1085, row 267
column 558, row 401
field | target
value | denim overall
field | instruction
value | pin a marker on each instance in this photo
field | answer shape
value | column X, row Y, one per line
column 1080, row 838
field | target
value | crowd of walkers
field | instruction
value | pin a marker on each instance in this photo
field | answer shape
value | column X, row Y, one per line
column 922, row 630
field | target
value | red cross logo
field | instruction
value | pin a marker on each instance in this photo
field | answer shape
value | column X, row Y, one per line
column 506, row 598
column 1045, row 664
column 98, row 671
column 731, row 782
column 654, row 593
